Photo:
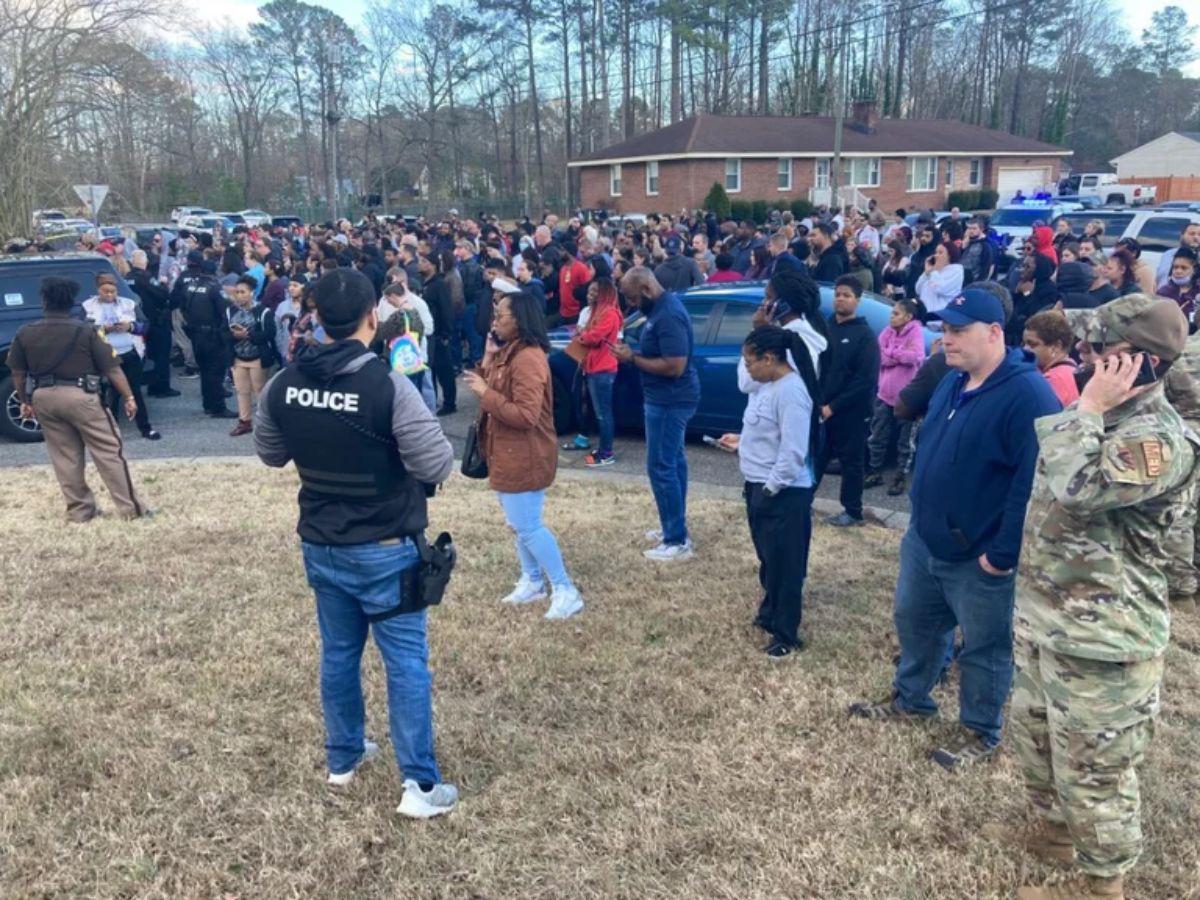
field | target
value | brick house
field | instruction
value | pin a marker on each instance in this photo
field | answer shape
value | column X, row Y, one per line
column 899, row 162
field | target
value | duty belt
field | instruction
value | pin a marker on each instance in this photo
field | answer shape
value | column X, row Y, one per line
column 88, row 383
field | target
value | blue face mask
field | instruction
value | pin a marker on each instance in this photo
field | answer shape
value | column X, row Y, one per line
column 1182, row 282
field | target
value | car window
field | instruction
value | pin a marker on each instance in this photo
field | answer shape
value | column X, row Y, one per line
column 735, row 324
column 1160, row 232
column 701, row 312
column 1018, row 218
column 19, row 288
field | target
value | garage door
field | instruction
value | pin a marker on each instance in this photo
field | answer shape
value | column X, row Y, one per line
column 1028, row 180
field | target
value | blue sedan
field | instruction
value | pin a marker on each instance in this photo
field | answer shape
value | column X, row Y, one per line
column 721, row 319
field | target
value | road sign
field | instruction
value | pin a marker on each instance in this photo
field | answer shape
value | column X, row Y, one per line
column 92, row 196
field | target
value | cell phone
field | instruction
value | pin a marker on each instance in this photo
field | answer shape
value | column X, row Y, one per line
column 496, row 339
column 1146, row 374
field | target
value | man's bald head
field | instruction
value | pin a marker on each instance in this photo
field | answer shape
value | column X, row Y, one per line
column 638, row 283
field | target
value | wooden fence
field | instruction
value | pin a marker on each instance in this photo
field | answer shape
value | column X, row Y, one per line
column 1175, row 187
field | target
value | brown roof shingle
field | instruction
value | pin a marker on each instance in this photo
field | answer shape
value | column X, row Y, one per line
column 732, row 135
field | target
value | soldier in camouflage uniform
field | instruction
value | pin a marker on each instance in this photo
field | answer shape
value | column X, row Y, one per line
column 1183, row 391
column 1115, row 471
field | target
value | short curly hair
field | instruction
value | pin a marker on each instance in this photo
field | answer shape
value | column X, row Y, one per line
column 1050, row 326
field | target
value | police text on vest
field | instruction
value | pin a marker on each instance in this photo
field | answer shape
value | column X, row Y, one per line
column 314, row 399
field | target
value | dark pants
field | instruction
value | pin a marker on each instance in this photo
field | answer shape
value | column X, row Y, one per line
column 846, row 438
column 212, row 361
column 885, row 428
column 600, row 389
column 466, row 329
column 666, row 464
column 443, row 370
column 158, row 352
column 932, row 597
column 131, row 365
column 780, row 527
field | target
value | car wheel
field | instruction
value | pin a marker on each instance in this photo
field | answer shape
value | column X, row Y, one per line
column 564, row 415
column 12, row 426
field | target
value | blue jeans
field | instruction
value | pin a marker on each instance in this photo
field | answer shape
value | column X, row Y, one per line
column 600, row 389
column 352, row 582
column 464, row 327
column 666, row 464
column 537, row 547
column 932, row 597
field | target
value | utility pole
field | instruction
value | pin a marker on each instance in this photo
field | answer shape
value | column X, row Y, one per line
column 332, row 116
column 839, row 115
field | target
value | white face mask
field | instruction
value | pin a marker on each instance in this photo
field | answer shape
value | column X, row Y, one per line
column 1181, row 281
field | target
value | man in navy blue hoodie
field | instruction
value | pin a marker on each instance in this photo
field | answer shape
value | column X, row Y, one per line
column 971, row 482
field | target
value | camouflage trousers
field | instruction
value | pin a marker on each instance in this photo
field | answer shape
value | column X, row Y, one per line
column 1080, row 728
column 1183, row 542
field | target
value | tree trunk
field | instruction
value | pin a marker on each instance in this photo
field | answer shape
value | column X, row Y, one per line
column 533, row 99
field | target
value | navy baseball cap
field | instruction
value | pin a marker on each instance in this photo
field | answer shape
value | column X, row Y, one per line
column 673, row 245
column 972, row 305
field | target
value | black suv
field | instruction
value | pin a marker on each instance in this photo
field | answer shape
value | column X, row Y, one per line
column 20, row 302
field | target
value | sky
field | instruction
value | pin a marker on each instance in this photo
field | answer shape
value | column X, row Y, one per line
column 243, row 12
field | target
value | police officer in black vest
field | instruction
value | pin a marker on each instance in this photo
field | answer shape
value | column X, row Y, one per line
column 197, row 294
column 366, row 448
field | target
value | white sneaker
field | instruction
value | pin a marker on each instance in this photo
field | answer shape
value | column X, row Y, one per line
column 654, row 535
column 370, row 751
column 526, row 591
column 670, row 552
column 418, row 804
column 565, row 603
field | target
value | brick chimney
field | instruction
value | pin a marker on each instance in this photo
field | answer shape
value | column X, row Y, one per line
column 865, row 116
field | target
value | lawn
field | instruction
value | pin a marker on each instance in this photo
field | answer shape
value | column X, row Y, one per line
column 160, row 732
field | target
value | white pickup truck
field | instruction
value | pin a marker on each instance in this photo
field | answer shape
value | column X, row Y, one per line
column 1105, row 188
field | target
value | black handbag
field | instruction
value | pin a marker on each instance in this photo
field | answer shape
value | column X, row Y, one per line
column 473, row 463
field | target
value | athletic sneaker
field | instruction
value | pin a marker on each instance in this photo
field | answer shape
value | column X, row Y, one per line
column 526, row 591
column 190, row 372
column 418, row 804
column 370, row 751
column 777, row 650
column 654, row 535
column 565, row 603
column 966, row 750
column 670, row 552
column 579, row 442
column 596, row 461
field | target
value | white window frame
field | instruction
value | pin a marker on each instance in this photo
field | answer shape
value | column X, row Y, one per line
column 949, row 173
column 821, row 174
column 652, row 167
column 737, row 175
column 614, row 180
column 975, row 172
column 783, row 167
column 873, row 167
column 930, row 182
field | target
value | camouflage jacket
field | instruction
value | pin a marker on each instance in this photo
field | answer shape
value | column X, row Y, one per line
column 1092, row 579
column 1183, row 382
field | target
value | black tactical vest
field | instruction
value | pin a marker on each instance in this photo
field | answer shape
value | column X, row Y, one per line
column 354, row 487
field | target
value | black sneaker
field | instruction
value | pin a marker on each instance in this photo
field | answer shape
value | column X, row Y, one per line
column 777, row 650
column 969, row 748
column 885, row 709
column 169, row 392
column 151, row 435
column 190, row 372
column 898, row 486
column 873, row 480
column 223, row 413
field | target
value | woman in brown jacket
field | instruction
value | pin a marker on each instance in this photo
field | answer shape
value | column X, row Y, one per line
column 516, row 437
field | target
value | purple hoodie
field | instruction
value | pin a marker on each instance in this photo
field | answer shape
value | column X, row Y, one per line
column 900, row 355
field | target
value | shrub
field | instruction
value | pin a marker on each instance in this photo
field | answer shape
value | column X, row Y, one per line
column 976, row 199
column 758, row 211
column 988, row 198
column 741, row 210
column 802, row 208
column 717, row 201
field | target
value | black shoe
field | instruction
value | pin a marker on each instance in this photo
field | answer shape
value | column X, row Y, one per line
column 447, row 410
column 873, row 480
column 834, row 467
column 223, row 413
column 898, row 486
column 190, row 372
column 169, row 392
column 151, row 435
column 777, row 650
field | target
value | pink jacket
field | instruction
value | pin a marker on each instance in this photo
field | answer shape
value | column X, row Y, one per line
column 900, row 355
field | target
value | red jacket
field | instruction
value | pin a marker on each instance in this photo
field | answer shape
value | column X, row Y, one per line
column 570, row 277
column 720, row 276
column 604, row 325
column 1043, row 243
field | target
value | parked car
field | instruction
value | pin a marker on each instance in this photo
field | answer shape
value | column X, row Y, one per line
column 235, row 218
column 46, row 215
column 206, row 224
column 65, row 226
column 20, row 278
column 286, row 221
column 142, row 233
column 179, row 213
column 1180, row 206
column 1014, row 222
column 255, row 217
column 1106, row 188
column 721, row 318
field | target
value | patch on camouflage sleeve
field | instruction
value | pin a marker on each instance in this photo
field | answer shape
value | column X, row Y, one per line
column 1152, row 454
column 1126, row 463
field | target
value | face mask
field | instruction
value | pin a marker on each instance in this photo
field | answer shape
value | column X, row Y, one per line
column 1182, row 282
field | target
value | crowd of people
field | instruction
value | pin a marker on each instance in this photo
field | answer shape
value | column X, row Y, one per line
column 1050, row 467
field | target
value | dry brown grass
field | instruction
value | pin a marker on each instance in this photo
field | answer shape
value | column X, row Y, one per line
column 160, row 732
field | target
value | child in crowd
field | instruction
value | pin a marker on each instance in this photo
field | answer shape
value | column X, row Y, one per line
column 1048, row 337
column 252, row 333
column 901, row 352
column 1182, row 286
column 773, row 451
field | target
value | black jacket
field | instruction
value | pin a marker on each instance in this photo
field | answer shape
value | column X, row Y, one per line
column 853, row 376
column 832, row 264
column 441, row 306
column 475, row 291
column 156, row 299
column 1043, row 295
column 915, row 396
column 978, row 260
column 198, row 295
